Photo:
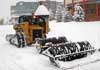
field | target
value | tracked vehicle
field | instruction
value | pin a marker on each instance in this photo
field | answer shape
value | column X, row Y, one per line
column 30, row 27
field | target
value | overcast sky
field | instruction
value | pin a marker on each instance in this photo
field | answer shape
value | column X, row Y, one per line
column 4, row 8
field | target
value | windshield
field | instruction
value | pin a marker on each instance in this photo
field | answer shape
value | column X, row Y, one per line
column 36, row 20
column 31, row 20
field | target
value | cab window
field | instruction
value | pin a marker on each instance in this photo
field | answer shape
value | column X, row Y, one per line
column 21, row 19
column 36, row 20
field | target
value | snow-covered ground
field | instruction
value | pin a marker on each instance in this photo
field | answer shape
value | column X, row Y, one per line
column 12, row 58
column 77, row 31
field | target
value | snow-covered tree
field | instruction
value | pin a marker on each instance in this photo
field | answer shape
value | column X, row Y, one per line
column 79, row 14
column 63, row 14
column 58, row 15
column 66, row 15
column 51, row 15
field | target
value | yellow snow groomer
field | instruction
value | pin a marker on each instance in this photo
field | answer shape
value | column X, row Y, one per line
column 33, row 27
column 28, row 29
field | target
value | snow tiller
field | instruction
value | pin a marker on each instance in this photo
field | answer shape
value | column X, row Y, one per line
column 62, row 50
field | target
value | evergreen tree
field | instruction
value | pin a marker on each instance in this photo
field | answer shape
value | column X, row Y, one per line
column 51, row 16
column 58, row 15
column 66, row 15
column 79, row 14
